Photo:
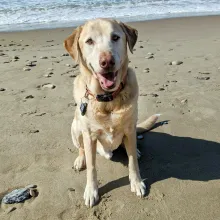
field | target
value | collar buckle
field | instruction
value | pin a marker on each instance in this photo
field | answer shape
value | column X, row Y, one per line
column 108, row 97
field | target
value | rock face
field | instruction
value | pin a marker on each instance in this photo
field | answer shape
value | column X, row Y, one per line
column 16, row 196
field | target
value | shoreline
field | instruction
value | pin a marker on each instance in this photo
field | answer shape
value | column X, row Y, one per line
column 201, row 15
column 180, row 158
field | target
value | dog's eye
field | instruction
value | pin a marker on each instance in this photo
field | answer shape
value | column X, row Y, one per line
column 115, row 37
column 90, row 41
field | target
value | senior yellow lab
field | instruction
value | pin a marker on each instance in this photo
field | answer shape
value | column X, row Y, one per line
column 106, row 93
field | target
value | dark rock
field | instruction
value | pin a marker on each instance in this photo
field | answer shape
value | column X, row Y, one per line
column 16, row 196
column 29, row 97
column 2, row 89
column 34, row 131
column 203, row 77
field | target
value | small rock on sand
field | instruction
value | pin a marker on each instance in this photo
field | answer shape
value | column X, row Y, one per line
column 204, row 73
column 203, row 77
column 65, row 55
column 2, row 89
column 29, row 97
column 177, row 62
column 48, row 86
column 31, row 186
column 68, row 65
column 48, row 74
column 149, row 57
column 16, row 196
column 16, row 57
column 26, row 69
column 184, row 101
column 31, row 64
column 43, row 57
column 34, row 131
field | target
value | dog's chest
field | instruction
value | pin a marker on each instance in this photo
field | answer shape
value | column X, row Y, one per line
column 111, row 133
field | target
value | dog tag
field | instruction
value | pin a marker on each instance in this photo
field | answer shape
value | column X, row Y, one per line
column 83, row 108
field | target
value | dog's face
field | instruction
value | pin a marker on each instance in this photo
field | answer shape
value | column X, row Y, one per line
column 101, row 45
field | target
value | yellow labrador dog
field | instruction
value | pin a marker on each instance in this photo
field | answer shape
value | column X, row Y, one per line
column 106, row 93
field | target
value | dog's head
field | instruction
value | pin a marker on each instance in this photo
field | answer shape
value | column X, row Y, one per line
column 101, row 46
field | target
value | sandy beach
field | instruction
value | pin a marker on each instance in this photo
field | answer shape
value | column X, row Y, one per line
column 180, row 158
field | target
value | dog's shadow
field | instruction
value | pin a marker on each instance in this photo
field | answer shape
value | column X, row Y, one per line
column 165, row 156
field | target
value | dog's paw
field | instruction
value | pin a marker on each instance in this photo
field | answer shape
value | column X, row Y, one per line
column 80, row 163
column 138, row 187
column 91, row 196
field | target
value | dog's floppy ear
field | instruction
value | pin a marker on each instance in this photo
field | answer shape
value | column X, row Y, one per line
column 131, row 35
column 71, row 44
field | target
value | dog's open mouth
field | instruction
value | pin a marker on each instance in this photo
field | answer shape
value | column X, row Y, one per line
column 107, row 80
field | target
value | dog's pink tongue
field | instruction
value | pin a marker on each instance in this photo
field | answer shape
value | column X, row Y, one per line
column 108, row 80
column 108, row 83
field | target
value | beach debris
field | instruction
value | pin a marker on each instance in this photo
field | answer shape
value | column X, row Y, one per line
column 177, row 62
column 16, row 196
column 48, row 86
column 141, row 47
column 50, row 69
column 203, row 77
column 2, row 54
column 48, row 74
column 41, row 114
column 31, row 186
column 154, row 95
column 149, row 57
column 43, row 57
column 204, row 73
column 29, row 97
column 146, row 70
column 184, row 101
column 10, row 209
column 71, row 189
column 34, row 131
column 65, row 55
column 68, row 65
column 50, row 41
column 26, row 69
column 2, row 89
column 31, row 63
column 72, row 76
column 140, row 137
column 174, row 81
column 16, row 57
column 150, row 54
column 161, row 89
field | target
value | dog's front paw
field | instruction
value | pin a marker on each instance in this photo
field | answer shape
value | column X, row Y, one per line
column 80, row 163
column 91, row 196
column 138, row 187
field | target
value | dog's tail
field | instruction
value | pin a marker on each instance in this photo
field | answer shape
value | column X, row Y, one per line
column 147, row 124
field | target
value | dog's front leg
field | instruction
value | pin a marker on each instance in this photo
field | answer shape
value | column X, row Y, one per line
column 137, row 185
column 91, row 191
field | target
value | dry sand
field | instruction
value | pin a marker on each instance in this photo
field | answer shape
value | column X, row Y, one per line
column 180, row 160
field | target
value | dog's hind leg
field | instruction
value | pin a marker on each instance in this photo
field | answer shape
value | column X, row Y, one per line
column 80, row 161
